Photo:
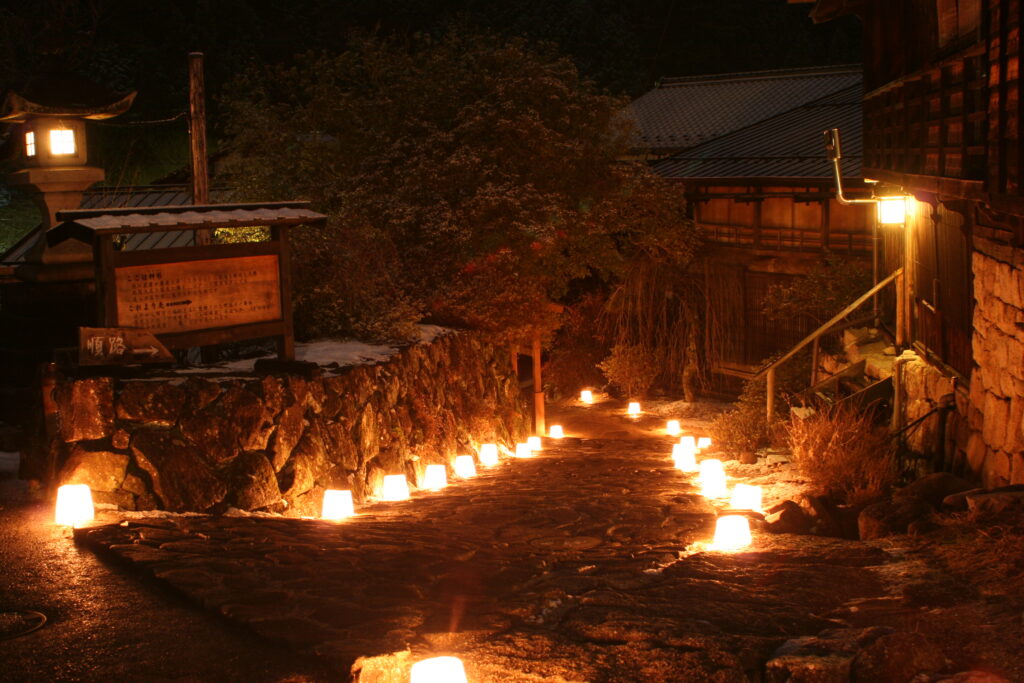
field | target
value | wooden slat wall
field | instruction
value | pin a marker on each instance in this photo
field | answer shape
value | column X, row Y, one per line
column 1003, row 96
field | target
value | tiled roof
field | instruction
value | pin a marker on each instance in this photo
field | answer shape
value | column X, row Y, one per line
column 788, row 145
column 682, row 112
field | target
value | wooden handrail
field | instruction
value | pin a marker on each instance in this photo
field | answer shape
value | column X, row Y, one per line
column 813, row 336
column 832, row 321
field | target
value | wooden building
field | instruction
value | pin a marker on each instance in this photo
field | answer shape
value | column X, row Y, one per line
column 746, row 149
column 942, row 120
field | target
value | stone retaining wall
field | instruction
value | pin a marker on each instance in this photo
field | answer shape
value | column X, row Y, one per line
column 995, row 412
column 275, row 442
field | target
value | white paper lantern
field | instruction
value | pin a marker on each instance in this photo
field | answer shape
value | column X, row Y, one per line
column 396, row 487
column 712, row 479
column 523, row 450
column 672, row 427
column 732, row 532
column 556, row 432
column 746, row 497
column 438, row 670
column 534, row 443
column 587, row 396
column 703, row 442
column 74, row 505
column 435, row 477
column 337, row 505
column 634, row 409
column 465, row 467
column 488, row 454
column 684, row 458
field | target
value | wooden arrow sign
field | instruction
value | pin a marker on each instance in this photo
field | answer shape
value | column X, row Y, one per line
column 119, row 346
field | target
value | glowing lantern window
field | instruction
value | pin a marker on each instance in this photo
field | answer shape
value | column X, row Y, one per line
column 523, row 450
column 634, row 409
column 435, row 477
column 556, row 432
column 703, row 442
column 395, row 487
column 62, row 141
column 732, row 532
column 465, row 467
column 684, row 458
column 689, row 441
column 438, row 670
column 892, row 210
column 489, row 454
column 587, row 396
column 74, row 505
column 30, row 144
column 672, row 427
column 534, row 443
column 746, row 497
column 337, row 505
column 712, row 479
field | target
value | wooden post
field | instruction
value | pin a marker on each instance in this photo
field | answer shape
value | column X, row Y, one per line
column 770, row 402
column 814, row 360
column 197, row 135
column 901, row 310
column 538, row 387
column 286, row 342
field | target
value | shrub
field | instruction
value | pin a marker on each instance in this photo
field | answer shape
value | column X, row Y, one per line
column 579, row 345
column 843, row 451
column 631, row 368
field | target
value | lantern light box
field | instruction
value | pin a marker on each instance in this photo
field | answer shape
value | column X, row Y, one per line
column 689, row 441
column 396, row 487
column 712, row 479
column 465, row 468
column 74, row 505
column 337, row 505
column 556, row 432
column 435, row 477
column 746, row 497
column 634, row 409
column 489, row 454
column 438, row 670
column 523, row 450
column 732, row 532
column 534, row 443
column 672, row 427
column 684, row 458
column 703, row 442
column 587, row 396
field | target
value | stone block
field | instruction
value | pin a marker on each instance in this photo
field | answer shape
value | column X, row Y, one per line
column 100, row 470
column 994, row 503
column 289, row 430
column 996, row 416
column 886, row 518
column 976, row 452
column 1017, row 468
column 933, row 488
column 85, row 408
column 158, row 403
column 252, row 482
column 181, row 479
column 996, row 470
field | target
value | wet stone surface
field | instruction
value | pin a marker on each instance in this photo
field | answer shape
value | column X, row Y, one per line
column 566, row 566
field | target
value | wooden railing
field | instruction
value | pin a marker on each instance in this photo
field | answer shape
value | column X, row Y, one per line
column 769, row 369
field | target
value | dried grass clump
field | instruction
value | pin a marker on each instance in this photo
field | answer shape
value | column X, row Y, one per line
column 844, row 453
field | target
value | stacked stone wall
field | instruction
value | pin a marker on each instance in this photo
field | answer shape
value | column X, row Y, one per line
column 995, row 411
column 276, row 442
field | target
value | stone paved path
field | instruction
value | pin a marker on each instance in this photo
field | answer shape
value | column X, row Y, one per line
column 562, row 567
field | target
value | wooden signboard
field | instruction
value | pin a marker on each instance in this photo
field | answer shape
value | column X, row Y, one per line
column 115, row 345
column 195, row 295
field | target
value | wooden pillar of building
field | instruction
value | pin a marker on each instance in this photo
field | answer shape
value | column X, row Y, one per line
column 538, row 386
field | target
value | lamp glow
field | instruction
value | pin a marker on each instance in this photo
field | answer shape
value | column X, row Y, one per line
column 689, row 441
column 712, row 479
column 587, row 396
column 534, row 443
column 732, row 532
column 465, row 467
column 746, row 497
column 395, row 487
column 438, row 670
column 74, row 505
column 62, row 141
column 634, row 409
column 892, row 210
column 488, row 454
column 703, row 442
column 556, row 432
column 523, row 450
column 684, row 458
column 435, row 477
column 672, row 427
column 337, row 505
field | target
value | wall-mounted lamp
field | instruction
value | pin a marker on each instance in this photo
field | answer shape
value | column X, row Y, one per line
column 891, row 203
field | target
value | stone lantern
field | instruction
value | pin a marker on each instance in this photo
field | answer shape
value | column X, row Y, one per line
column 49, row 135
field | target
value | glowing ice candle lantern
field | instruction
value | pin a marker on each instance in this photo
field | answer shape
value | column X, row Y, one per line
column 435, row 477
column 689, row 442
column 712, row 479
column 587, row 396
column 732, row 532
column 74, row 505
column 337, row 505
column 634, row 409
column 746, row 497
column 395, row 487
column 685, row 458
column 488, row 454
column 534, row 443
column 556, row 432
column 465, row 467
column 438, row 670
column 523, row 450
column 703, row 442
column 672, row 427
